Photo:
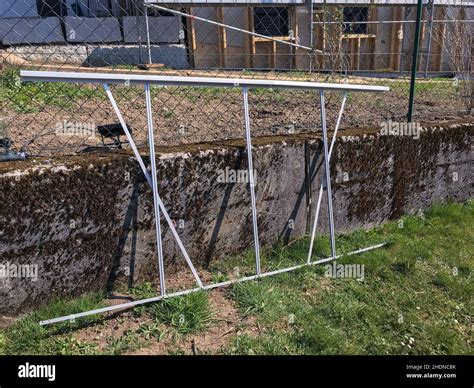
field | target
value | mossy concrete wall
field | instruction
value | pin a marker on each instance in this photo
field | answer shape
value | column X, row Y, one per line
column 87, row 221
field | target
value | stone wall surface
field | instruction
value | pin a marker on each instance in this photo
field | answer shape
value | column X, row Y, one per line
column 84, row 219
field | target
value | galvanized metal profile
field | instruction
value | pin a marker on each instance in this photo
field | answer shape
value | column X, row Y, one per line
column 141, row 302
column 243, row 84
column 274, row 3
column 138, row 79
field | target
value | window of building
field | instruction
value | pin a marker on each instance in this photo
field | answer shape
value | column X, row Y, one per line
column 271, row 21
column 355, row 20
column 47, row 8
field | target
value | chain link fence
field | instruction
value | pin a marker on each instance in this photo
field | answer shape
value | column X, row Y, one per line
column 354, row 41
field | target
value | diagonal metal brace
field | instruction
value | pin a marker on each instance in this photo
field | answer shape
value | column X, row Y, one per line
column 149, row 180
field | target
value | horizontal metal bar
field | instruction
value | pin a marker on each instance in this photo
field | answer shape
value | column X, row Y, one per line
column 270, row 3
column 128, row 79
column 229, row 27
column 240, row 3
column 395, row 22
column 208, row 287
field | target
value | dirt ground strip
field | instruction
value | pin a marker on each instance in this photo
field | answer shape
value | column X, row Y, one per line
column 226, row 323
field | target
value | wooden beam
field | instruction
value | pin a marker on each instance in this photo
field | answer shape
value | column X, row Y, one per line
column 191, row 37
column 374, row 50
column 357, row 54
column 421, row 57
column 372, row 43
column 248, row 64
column 249, row 39
column 440, row 33
column 272, row 54
column 294, row 26
column 352, row 51
column 318, row 35
column 395, row 41
column 222, row 37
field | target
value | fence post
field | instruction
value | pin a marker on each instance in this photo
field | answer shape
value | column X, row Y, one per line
column 419, row 9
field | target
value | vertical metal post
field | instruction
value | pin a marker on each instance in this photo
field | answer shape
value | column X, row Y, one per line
column 328, row 174
column 147, row 26
column 309, row 4
column 252, row 180
column 154, row 185
column 414, row 61
column 321, row 188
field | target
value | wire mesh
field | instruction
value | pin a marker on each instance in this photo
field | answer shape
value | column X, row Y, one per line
column 356, row 41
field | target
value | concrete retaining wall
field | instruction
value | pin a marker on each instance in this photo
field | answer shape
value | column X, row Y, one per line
column 86, row 219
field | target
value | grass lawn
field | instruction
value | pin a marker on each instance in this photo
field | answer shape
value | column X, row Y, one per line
column 415, row 298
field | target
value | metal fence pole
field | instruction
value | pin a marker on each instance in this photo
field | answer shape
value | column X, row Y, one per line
column 327, row 174
column 154, row 183
column 148, row 44
column 321, row 188
column 252, row 180
column 414, row 62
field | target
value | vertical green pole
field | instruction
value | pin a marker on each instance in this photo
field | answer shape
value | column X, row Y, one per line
column 414, row 60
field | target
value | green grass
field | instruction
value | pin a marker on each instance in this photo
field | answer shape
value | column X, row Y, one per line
column 28, row 337
column 415, row 298
column 187, row 314
column 30, row 97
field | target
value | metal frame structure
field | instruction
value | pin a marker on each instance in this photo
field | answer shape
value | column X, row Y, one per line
column 244, row 85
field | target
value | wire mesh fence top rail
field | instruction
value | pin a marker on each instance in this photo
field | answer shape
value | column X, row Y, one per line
column 125, row 79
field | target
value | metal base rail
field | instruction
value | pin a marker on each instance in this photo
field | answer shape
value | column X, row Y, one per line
column 244, row 85
column 128, row 305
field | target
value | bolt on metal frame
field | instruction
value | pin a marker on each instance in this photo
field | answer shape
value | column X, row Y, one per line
column 244, row 84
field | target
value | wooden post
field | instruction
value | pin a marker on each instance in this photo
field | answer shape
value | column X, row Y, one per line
column 249, row 39
column 395, row 42
column 421, row 57
column 318, row 36
column 191, row 37
column 440, row 33
column 222, row 37
column 272, row 54
column 294, row 26
column 372, row 42
column 357, row 54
